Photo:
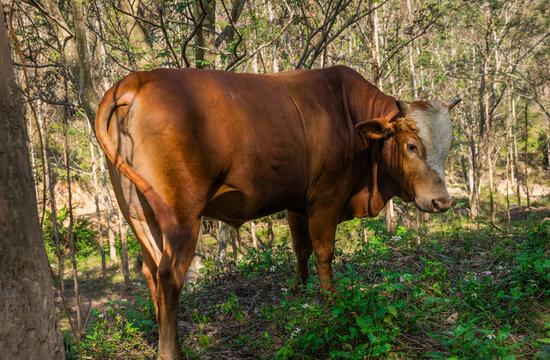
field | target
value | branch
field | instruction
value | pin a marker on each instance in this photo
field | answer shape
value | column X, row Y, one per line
column 163, row 27
column 135, row 16
column 240, row 38
column 251, row 55
column 59, row 23
column 35, row 66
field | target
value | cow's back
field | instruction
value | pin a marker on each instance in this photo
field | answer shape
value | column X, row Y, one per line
column 249, row 144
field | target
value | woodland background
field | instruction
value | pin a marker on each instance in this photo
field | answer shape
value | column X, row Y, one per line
column 495, row 55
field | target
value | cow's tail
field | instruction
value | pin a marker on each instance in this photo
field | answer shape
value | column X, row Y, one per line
column 163, row 212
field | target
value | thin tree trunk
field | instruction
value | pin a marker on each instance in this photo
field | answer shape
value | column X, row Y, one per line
column 253, row 233
column 270, row 233
column 31, row 151
column 107, row 201
column 548, row 144
column 375, row 62
column 71, row 229
column 516, row 156
column 55, row 226
column 474, row 194
column 390, row 217
column 45, row 163
column 197, row 263
column 83, row 69
column 377, row 77
column 525, row 156
column 100, row 242
column 508, row 187
column 491, row 186
column 222, row 243
column 413, row 84
column 137, row 36
column 205, row 38
column 363, row 231
column 225, row 234
column 274, row 45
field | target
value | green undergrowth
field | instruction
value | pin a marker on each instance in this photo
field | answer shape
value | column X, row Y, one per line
column 475, row 294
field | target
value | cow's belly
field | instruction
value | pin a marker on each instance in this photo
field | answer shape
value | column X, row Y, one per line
column 235, row 206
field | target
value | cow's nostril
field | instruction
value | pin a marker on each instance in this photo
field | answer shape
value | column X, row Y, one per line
column 441, row 204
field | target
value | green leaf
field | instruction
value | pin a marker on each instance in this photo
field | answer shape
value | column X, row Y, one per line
column 435, row 355
column 364, row 323
column 459, row 330
column 372, row 337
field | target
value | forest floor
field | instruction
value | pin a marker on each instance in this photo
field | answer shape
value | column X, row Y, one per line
column 464, row 292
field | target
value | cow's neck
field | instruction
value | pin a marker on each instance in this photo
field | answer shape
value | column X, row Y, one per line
column 376, row 186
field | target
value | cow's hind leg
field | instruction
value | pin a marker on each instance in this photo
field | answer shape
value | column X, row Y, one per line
column 301, row 243
column 176, row 257
column 149, row 270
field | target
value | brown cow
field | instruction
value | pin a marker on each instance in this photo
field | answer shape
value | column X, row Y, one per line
column 324, row 144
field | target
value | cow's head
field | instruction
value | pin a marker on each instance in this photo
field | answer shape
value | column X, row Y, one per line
column 416, row 147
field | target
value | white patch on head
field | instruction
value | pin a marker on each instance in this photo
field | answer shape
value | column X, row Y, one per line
column 435, row 130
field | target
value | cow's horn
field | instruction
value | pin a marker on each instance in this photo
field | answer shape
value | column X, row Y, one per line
column 451, row 104
column 403, row 106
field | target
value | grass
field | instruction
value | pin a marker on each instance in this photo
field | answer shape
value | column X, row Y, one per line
column 467, row 293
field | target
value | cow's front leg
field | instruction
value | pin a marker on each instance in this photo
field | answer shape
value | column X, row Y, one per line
column 176, row 258
column 301, row 243
column 322, row 229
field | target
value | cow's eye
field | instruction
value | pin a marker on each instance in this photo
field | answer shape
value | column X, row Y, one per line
column 412, row 148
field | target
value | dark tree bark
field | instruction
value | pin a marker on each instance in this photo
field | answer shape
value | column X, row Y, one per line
column 270, row 233
column 206, row 38
column 29, row 322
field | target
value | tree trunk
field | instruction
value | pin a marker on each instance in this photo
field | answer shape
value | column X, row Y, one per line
column 197, row 263
column 107, row 201
column 253, row 233
column 474, row 181
column 45, row 164
column 270, row 233
column 29, row 320
column 274, row 45
column 55, row 228
column 144, row 59
column 222, row 243
column 491, row 186
column 375, row 62
column 205, row 39
column 78, row 328
column 377, row 79
column 548, row 145
column 363, row 231
column 390, row 217
column 100, row 243
column 225, row 234
column 516, row 156
column 526, row 160
column 508, row 187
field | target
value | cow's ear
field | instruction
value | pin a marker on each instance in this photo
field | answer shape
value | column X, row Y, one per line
column 376, row 128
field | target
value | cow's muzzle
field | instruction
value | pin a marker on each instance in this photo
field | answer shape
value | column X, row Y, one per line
column 434, row 205
column 441, row 204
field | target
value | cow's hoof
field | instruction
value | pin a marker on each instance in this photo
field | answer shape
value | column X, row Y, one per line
column 169, row 357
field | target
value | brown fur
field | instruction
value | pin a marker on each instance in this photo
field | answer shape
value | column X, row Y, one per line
column 239, row 146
